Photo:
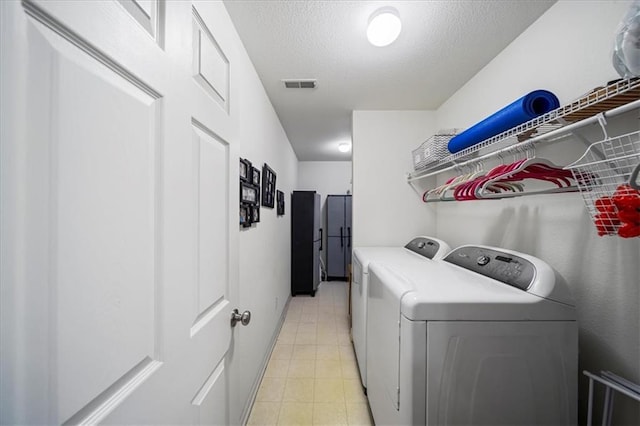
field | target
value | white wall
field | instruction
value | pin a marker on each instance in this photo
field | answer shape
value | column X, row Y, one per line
column 326, row 178
column 265, row 248
column 386, row 210
column 567, row 51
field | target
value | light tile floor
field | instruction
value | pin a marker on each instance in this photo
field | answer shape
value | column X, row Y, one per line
column 312, row 376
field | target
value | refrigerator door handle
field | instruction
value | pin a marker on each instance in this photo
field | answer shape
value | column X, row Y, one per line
column 320, row 239
column 341, row 238
column 348, row 236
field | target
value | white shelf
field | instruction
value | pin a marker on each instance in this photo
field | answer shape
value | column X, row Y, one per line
column 546, row 128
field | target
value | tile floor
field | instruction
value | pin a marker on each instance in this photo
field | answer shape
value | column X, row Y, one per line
column 312, row 377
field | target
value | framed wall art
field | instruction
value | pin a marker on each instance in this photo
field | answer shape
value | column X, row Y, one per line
column 255, row 213
column 245, row 170
column 249, row 193
column 255, row 178
column 268, row 186
column 280, row 201
column 245, row 215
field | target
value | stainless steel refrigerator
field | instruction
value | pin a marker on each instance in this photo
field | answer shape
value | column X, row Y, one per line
column 338, row 236
column 306, row 242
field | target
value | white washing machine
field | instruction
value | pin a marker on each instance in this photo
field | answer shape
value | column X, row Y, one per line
column 485, row 337
column 419, row 249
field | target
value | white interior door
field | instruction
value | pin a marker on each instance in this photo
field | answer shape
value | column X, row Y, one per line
column 118, row 259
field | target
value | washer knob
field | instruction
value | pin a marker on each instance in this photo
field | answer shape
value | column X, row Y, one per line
column 483, row 260
column 421, row 245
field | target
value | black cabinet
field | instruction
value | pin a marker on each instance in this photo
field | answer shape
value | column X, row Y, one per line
column 306, row 242
column 338, row 236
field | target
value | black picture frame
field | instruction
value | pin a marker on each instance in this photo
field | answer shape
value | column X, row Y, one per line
column 268, row 186
column 280, row 201
column 245, row 215
column 249, row 193
column 255, row 179
column 255, row 213
column 245, row 170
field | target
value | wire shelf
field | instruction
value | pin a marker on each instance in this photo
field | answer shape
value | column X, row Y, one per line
column 599, row 100
column 607, row 180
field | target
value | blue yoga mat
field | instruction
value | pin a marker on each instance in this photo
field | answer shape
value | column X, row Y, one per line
column 524, row 109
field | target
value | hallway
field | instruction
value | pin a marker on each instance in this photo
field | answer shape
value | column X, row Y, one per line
column 312, row 376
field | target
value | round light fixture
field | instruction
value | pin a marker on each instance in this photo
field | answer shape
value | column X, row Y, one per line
column 344, row 147
column 384, row 27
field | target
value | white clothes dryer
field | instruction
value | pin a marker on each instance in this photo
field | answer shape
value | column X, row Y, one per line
column 419, row 249
column 485, row 337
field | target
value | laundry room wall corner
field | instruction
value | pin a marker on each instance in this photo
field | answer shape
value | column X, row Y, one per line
column 386, row 210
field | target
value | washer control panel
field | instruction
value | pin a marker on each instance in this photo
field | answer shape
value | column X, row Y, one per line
column 423, row 246
column 504, row 267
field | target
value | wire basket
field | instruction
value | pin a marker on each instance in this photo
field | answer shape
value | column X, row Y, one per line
column 607, row 176
column 432, row 150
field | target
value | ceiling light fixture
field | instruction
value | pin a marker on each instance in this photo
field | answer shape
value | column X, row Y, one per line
column 344, row 147
column 384, row 27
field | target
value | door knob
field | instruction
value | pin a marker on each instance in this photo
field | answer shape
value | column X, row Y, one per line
column 243, row 318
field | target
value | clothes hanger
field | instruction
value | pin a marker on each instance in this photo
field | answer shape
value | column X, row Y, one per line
column 434, row 193
column 466, row 191
column 538, row 169
column 448, row 193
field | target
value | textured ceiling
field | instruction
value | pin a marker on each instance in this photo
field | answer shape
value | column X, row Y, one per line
column 441, row 46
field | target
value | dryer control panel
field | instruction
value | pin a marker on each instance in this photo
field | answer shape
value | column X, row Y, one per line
column 501, row 266
column 424, row 247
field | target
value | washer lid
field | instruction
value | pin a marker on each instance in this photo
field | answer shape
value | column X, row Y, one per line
column 365, row 255
column 418, row 248
column 440, row 291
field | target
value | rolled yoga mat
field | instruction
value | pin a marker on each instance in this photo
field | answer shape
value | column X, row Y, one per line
column 524, row 109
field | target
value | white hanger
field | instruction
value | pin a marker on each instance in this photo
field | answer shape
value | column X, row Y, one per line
column 484, row 191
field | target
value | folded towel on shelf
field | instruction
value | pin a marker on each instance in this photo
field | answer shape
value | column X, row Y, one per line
column 526, row 108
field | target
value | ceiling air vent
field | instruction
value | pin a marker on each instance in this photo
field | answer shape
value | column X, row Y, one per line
column 300, row 84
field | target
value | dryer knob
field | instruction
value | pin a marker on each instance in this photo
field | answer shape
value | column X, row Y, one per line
column 421, row 245
column 483, row 260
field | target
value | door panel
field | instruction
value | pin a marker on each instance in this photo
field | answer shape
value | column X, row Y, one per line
column 316, row 264
column 210, row 65
column 347, row 210
column 147, row 13
column 100, row 211
column 347, row 221
column 211, row 397
column 316, row 217
column 335, row 216
column 104, row 207
column 212, row 171
column 118, row 256
column 335, row 257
